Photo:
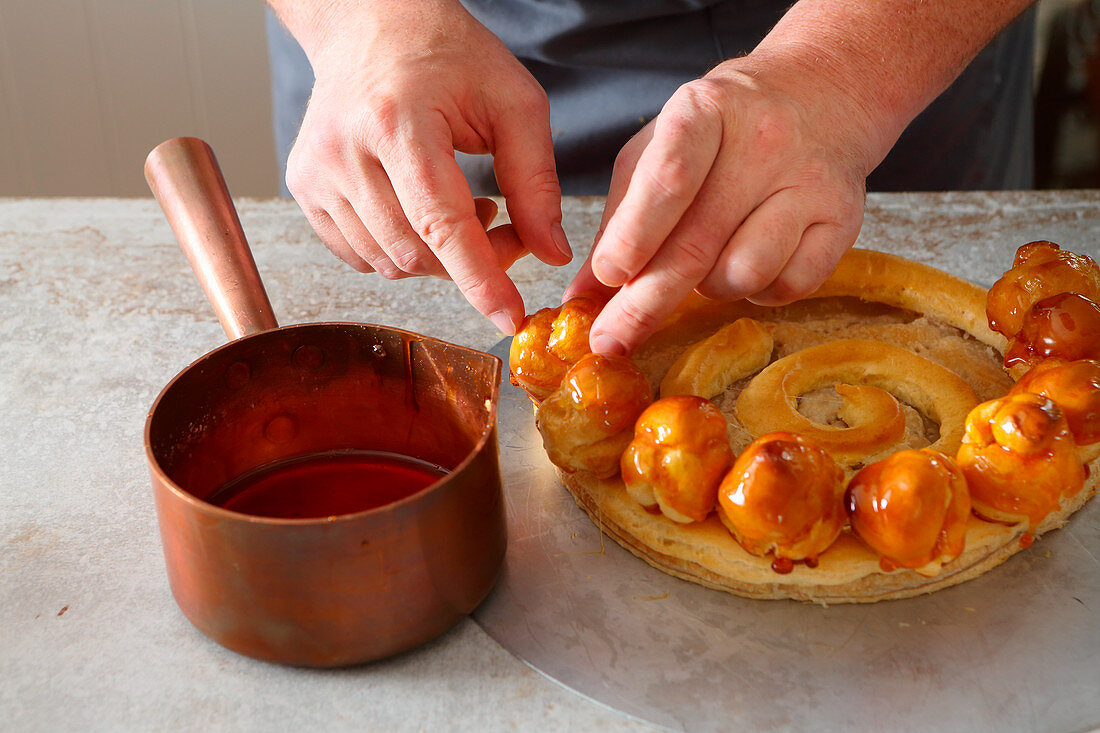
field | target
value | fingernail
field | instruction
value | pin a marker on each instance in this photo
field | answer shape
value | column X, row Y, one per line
column 562, row 242
column 503, row 322
column 601, row 343
column 609, row 273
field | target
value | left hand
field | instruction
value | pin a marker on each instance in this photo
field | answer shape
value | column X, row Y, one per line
column 744, row 186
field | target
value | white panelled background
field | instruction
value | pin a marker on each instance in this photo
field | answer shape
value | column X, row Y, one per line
column 88, row 87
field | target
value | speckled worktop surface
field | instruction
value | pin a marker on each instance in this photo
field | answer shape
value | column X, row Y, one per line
column 98, row 310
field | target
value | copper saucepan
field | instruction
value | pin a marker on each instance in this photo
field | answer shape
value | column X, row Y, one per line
column 326, row 591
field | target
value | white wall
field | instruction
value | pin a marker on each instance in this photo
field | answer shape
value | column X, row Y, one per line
column 89, row 87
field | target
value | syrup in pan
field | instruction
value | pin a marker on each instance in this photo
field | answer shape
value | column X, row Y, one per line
column 326, row 484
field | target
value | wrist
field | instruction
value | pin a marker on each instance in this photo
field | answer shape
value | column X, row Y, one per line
column 322, row 27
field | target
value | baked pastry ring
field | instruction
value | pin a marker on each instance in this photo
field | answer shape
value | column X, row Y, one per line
column 938, row 320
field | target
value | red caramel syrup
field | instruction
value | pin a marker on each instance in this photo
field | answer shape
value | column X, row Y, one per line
column 784, row 565
column 326, row 484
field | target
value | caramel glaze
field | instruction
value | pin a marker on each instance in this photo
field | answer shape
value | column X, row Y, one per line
column 549, row 342
column 1075, row 387
column 784, row 495
column 587, row 422
column 677, row 458
column 1040, row 270
column 1065, row 326
column 1019, row 459
column 911, row 508
column 609, row 390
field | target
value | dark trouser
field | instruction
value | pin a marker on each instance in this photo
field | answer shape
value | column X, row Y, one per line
column 609, row 65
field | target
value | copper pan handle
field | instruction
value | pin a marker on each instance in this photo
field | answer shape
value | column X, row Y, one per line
column 187, row 182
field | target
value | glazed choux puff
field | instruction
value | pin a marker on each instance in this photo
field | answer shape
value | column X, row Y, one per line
column 548, row 342
column 1075, row 387
column 784, row 495
column 1019, row 459
column 1065, row 326
column 677, row 458
column 911, row 508
column 586, row 423
column 1040, row 270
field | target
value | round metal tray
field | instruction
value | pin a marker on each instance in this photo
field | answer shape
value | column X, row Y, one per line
column 1015, row 649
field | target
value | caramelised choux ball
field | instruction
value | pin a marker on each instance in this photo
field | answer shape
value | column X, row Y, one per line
column 911, row 508
column 549, row 342
column 677, row 458
column 1039, row 271
column 1065, row 326
column 1019, row 459
column 1075, row 387
column 784, row 495
column 587, row 422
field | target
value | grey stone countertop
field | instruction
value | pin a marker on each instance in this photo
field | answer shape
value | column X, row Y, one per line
column 98, row 310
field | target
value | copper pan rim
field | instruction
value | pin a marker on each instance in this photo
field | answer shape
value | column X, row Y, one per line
column 215, row 511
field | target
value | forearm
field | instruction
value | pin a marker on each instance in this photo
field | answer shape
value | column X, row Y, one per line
column 886, row 60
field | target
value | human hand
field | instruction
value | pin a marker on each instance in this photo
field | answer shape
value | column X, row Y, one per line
column 397, row 92
column 746, row 185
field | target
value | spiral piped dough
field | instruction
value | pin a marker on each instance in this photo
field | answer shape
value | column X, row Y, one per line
column 706, row 368
column 769, row 402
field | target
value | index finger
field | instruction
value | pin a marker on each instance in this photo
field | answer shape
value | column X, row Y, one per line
column 669, row 173
column 437, row 201
column 585, row 281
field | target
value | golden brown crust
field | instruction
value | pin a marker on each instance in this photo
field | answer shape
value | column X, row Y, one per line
column 848, row 572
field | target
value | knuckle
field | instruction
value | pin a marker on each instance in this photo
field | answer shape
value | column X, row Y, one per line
column 638, row 318
column 324, row 142
column 693, row 261
column 479, row 289
column 748, row 277
column 381, row 128
column 439, row 229
column 389, row 270
column 531, row 101
column 544, row 182
column 361, row 266
column 672, row 178
column 300, row 177
column 701, row 96
column 789, row 287
column 409, row 258
column 696, row 110
column 625, row 249
column 295, row 182
column 319, row 219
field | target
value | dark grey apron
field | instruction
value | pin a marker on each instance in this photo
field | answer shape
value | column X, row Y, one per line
column 609, row 65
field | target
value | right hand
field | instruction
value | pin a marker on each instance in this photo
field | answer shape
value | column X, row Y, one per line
column 401, row 86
